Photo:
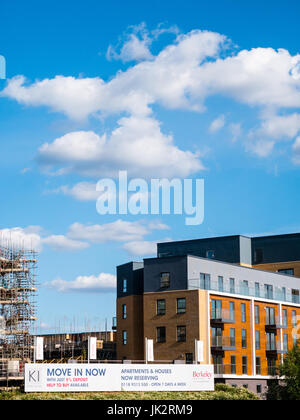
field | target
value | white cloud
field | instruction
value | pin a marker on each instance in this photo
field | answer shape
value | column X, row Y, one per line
column 88, row 154
column 103, row 283
column 62, row 243
column 217, row 124
column 141, row 248
column 22, row 238
column 82, row 191
column 118, row 231
column 296, row 151
column 236, row 130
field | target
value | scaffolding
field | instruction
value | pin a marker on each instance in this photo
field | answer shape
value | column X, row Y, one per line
column 17, row 308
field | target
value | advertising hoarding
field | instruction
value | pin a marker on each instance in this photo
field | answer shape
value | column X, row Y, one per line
column 95, row 377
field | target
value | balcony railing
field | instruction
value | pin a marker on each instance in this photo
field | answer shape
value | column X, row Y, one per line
column 274, row 322
column 222, row 315
column 278, row 294
column 223, row 343
column 225, row 369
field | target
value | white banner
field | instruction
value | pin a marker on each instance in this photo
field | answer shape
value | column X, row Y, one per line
column 117, row 377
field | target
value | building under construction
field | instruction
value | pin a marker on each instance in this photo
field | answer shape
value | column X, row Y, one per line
column 17, row 309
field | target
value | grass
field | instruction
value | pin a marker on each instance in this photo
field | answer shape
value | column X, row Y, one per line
column 222, row 392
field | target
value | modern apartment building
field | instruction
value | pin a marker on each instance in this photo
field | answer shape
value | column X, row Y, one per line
column 247, row 318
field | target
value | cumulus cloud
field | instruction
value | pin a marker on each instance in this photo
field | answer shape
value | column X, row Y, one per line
column 103, row 283
column 118, row 231
column 141, row 248
column 92, row 155
column 22, row 238
column 62, row 243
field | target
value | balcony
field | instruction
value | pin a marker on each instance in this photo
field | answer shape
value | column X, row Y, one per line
column 221, row 316
column 225, row 369
column 274, row 323
column 275, row 348
column 222, row 344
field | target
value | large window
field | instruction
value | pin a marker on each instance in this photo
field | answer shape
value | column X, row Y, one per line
column 232, row 337
column 270, row 316
column 216, row 309
column 161, row 307
column 220, row 284
column 258, row 366
column 233, row 365
column 181, row 306
column 124, row 337
column 205, row 281
column 256, row 314
column 232, row 285
column 181, row 333
column 294, row 318
column 244, row 339
column 285, row 342
column 244, row 365
column 295, row 296
column 284, row 318
column 268, row 291
column 165, row 280
column 243, row 312
column 161, row 334
column 257, row 289
column 232, row 311
column 257, row 340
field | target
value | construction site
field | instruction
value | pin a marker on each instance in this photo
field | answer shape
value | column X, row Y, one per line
column 17, row 309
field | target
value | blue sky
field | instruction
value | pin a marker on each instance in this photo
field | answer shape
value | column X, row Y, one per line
column 187, row 89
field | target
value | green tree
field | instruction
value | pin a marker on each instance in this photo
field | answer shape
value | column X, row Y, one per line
column 288, row 387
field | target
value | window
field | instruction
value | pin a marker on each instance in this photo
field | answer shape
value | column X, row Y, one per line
column 232, row 285
column 181, row 334
column 233, row 365
column 244, row 365
column 284, row 318
column 268, row 291
column 124, row 311
column 160, row 307
column 244, row 339
column 216, row 309
column 189, row 358
column 181, row 306
column 271, row 342
column 256, row 314
column 283, row 293
column 165, row 280
column 295, row 296
column 287, row 271
column 124, row 337
column 294, row 319
column 205, row 281
column 272, row 367
column 220, row 284
column 210, row 254
column 270, row 316
column 232, row 337
column 243, row 312
column 232, row 311
column 245, row 287
column 124, row 286
column 257, row 289
column 257, row 340
column 161, row 334
column 258, row 389
column 258, row 366
column 285, row 342
column 295, row 339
